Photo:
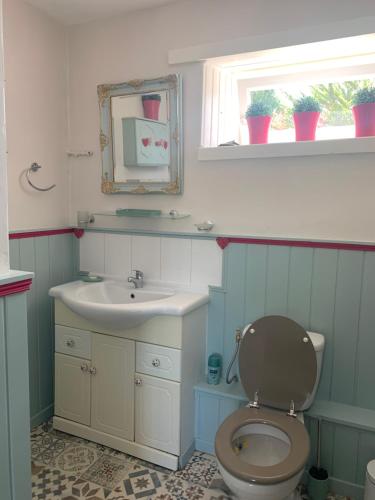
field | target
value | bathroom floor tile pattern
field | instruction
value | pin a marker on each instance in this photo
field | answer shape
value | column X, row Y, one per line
column 68, row 468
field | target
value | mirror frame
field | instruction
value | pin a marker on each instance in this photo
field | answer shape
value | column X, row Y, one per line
column 171, row 83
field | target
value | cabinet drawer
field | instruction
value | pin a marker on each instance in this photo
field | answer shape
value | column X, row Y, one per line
column 73, row 342
column 162, row 362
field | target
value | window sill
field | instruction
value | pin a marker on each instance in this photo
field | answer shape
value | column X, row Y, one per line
column 285, row 149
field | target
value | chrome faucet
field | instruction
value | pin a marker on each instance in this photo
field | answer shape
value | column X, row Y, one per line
column 136, row 278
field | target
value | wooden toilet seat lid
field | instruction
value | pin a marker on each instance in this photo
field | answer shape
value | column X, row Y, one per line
column 287, row 468
column 277, row 360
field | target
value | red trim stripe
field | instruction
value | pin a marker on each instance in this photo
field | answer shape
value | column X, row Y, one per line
column 358, row 247
column 48, row 232
column 222, row 241
column 15, row 287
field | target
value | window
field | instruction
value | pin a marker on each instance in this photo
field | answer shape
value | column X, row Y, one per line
column 331, row 72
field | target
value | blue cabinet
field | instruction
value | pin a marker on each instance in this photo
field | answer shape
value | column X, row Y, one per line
column 146, row 143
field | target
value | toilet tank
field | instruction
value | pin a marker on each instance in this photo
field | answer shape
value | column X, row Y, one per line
column 318, row 342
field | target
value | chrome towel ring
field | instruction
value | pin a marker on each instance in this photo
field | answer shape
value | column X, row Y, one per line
column 34, row 168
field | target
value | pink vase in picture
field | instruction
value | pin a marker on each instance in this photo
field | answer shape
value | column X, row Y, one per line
column 151, row 106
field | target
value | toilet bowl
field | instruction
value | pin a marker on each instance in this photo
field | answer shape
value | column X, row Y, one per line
column 262, row 449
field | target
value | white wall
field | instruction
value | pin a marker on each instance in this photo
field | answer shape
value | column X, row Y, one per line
column 316, row 197
column 190, row 263
column 4, row 250
column 36, row 74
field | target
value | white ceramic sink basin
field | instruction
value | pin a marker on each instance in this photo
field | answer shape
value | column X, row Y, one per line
column 115, row 305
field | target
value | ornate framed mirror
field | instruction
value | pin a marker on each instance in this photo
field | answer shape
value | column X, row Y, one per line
column 141, row 136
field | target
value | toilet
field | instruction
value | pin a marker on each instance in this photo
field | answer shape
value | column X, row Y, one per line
column 262, row 449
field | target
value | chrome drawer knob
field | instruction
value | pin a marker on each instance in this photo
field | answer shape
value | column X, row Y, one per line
column 156, row 363
column 84, row 368
column 70, row 343
column 92, row 370
column 138, row 381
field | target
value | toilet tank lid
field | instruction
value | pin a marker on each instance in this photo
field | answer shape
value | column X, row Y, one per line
column 317, row 340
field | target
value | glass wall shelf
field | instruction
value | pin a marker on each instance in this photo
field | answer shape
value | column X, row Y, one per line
column 173, row 214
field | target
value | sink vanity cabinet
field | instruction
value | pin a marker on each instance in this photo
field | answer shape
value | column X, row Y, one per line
column 131, row 390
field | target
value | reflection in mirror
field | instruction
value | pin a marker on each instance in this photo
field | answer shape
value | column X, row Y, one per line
column 140, row 136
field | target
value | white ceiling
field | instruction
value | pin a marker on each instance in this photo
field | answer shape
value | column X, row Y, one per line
column 81, row 11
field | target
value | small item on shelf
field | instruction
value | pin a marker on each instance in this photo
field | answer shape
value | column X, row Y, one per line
column 206, row 225
column 90, row 278
column 306, row 116
column 138, row 212
column 364, row 112
column 214, row 368
column 229, row 143
column 151, row 106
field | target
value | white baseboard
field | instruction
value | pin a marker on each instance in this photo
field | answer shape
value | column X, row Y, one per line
column 158, row 457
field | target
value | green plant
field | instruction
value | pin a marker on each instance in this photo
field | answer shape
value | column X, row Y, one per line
column 258, row 109
column 364, row 96
column 265, row 96
column 306, row 103
column 263, row 103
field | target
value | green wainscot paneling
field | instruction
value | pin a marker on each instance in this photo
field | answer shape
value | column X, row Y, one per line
column 15, row 459
column 325, row 290
column 328, row 291
column 54, row 260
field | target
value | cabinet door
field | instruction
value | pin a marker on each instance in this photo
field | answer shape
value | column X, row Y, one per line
column 72, row 388
column 157, row 413
column 113, row 365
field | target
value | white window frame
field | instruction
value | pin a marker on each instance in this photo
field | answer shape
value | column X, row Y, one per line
column 221, row 123
column 310, row 34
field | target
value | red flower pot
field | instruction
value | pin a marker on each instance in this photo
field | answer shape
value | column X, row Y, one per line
column 305, row 123
column 258, row 129
column 364, row 119
column 151, row 109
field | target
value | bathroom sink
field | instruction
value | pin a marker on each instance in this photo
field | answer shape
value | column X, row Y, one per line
column 116, row 305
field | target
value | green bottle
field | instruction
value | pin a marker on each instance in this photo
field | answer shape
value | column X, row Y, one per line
column 214, row 368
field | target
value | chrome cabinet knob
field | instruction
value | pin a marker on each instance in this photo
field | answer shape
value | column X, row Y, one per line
column 138, row 381
column 92, row 370
column 84, row 368
column 70, row 343
column 156, row 362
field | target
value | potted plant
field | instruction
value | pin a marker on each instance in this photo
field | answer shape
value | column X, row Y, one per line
column 259, row 115
column 364, row 112
column 306, row 113
column 151, row 105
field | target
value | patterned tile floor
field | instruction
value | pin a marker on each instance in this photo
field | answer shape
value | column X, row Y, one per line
column 70, row 468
